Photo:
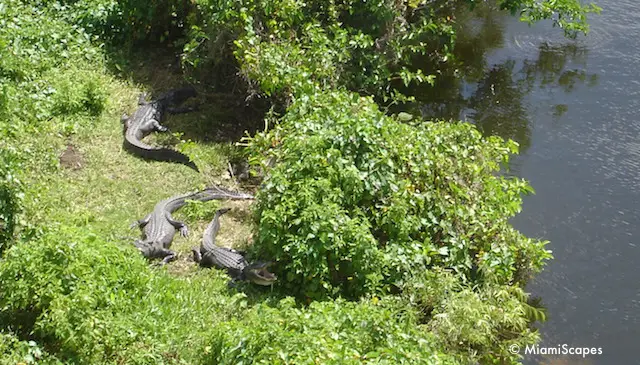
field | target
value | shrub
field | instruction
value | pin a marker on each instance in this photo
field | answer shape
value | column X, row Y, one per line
column 15, row 351
column 357, row 199
column 340, row 332
column 75, row 92
column 482, row 325
column 34, row 50
column 124, row 24
column 160, row 20
column 44, row 280
column 283, row 46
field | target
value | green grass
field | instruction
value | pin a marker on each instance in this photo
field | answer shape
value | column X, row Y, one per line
column 113, row 188
column 90, row 208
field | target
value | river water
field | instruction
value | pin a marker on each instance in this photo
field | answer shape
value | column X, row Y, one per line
column 574, row 106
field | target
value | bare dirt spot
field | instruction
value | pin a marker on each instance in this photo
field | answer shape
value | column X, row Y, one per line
column 71, row 158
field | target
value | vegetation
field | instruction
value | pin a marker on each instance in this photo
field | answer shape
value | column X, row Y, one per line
column 391, row 238
column 373, row 47
column 351, row 207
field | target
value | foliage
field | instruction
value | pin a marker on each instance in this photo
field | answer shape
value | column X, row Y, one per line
column 16, row 351
column 357, row 199
column 340, row 332
column 34, row 50
column 284, row 46
column 61, row 277
column 46, row 75
column 126, row 24
column 478, row 324
column 570, row 15
column 46, row 85
column 463, row 327
column 73, row 94
column 483, row 324
column 97, row 302
column 163, row 19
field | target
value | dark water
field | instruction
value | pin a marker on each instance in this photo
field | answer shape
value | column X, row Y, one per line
column 574, row 106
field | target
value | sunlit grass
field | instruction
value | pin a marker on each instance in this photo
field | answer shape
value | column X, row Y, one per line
column 113, row 188
column 95, row 201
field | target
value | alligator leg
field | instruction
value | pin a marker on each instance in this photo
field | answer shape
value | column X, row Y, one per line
column 139, row 244
column 184, row 231
column 140, row 223
column 168, row 256
column 197, row 256
column 144, row 248
column 142, row 99
column 151, row 251
column 157, row 126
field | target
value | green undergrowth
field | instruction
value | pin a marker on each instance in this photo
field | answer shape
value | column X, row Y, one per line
column 93, row 301
column 357, row 200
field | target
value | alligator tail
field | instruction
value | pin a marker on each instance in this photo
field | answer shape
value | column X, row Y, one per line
column 218, row 192
column 210, row 233
column 158, row 154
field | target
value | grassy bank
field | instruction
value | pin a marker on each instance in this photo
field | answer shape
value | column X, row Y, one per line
column 74, row 288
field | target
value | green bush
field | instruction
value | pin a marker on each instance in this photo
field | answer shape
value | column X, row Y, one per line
column 483, row 325
column 340, row 332
column 61, row 286
column 463, row 326
column 38, row 37
column 14, row 351
column 90, row 301
column 124, row 24
column 284, row 46
column 49, row 73
column 74, row 93
column 356, row 200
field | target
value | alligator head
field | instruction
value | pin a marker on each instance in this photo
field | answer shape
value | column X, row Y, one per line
column 257, row 273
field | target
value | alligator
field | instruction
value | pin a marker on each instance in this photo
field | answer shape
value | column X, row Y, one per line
column 159, row 227
column 146, row 120
column 211, row 255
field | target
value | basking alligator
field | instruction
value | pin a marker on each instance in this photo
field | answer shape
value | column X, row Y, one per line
column 147, row 119
column 210, row 255
column 159, row 227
